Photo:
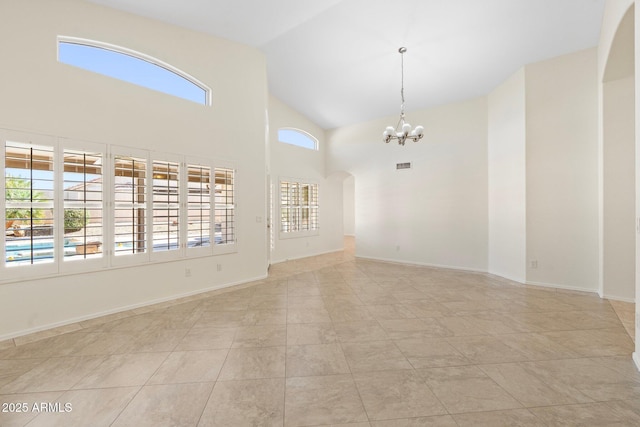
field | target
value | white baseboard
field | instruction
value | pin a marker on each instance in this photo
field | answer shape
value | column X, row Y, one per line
column 617, row 298
column 331, row 251
column 564, row 287
column 121, row 309
column 636, row 359
column 422, row 264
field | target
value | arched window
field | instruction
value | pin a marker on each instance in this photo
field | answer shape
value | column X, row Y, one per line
column 133, row 67
column 297, row 137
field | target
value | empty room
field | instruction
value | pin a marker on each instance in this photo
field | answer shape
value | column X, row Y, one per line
column 319, row 213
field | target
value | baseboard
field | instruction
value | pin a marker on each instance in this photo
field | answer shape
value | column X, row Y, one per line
column 422, row 264
column 636, row 359
column 563, row 287
column 617, row 298
column 125, row 308
column 331, row 251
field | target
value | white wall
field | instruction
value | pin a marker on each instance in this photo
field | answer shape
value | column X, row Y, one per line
column 349, row 205
column 562, row 165
column 507, row 179
column 434, row 213
column 41, row 95
column 289, row 161
column 619, row 190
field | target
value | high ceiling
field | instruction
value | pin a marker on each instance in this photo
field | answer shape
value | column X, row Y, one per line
column 337, row 61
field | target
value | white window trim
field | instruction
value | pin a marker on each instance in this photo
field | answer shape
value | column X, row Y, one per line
column 38, row 269
column 173, row 254
column 283, row 235
column 84, row 265
column 316, row 146
column 226, row 248
column 129, row 259
column 58, row 267
column 202, row 250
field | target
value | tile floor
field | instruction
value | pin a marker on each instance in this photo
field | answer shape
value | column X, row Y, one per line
column 332, row 340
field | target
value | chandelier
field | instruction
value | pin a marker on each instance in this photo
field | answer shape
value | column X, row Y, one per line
column 403, row 130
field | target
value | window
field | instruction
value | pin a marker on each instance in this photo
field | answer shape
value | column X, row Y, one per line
column 130, row 66
column 298, row 207
column 298, row 138
column 225, row 207
column 198, row 206
column 29, row 204
column 83, row 205
column 161, row 207
column 130, row 205
column 166, row 206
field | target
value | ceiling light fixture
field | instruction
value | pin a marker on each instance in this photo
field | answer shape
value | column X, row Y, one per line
column 403, row 130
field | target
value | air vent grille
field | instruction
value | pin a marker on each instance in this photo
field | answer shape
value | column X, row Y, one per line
column 403, row 165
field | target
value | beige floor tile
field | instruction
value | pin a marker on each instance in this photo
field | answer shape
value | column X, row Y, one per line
column 93, row 408
column 246, row 402
column 374, row 356
column 254, row 363
column 335, row 313
column 260, row 336
column 486, row 349
column 431, row 353
column 530, row 389
column 172, row 405
column 359, row 331
column 344, row 313
column 587, row 415
column 436, row 421
column 307, row 315
column 265, row 317
column 426, row 308
column 11, row 369
column 467, row 389
column 324, row 400
column 311, row 333
column 207, row 339
column 154, row 340
column 268, row 302
column 390, row 311
column 509, row 418
column 597, row 342
column 58, row 373
column 20, row 415
column 190, row 367
column 315, row 360
column 397, row 394
column 536, row 346
column 122, row 370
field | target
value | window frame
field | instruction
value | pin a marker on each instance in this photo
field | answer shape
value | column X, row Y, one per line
column 134, row 258
column 58, row 267
column 316, row 143
column 36, row 269
column 198, row 251
column 166, row 255
column 137, row 55
column 226, row 248
column 282, row 234
column 74, row 266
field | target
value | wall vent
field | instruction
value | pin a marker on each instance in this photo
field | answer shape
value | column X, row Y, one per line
column 403, row 165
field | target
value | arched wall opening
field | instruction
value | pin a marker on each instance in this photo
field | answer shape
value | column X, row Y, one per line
column 618, row 263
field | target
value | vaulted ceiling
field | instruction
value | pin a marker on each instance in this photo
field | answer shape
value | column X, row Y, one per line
column 337, row 61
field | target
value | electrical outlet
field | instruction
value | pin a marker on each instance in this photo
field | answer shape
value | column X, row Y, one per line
column 219, row 267
column 187, row 272
column 534, row 263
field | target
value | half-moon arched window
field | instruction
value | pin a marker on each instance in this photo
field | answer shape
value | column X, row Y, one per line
column 297, row 137
column 133, row 67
